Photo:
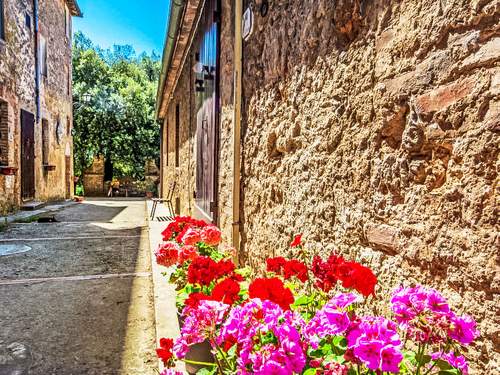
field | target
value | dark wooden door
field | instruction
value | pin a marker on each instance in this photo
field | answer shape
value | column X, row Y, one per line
column 27, row 155
column 69, row 181
column 207, row 113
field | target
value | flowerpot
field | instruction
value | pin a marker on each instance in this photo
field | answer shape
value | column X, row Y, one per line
column 199, row 352
column 149, row 194
column 8, row 171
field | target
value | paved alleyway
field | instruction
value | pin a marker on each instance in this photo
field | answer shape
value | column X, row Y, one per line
column 79, row 300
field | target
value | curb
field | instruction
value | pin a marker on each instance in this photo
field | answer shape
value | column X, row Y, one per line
column 164, row 293
column 24, row 215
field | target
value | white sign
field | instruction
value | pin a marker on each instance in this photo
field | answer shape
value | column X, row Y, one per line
column 247, row 27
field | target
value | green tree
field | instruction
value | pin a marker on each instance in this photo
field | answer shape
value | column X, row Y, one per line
column 113, row 98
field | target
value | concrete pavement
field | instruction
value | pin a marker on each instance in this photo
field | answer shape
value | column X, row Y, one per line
column 80, row 300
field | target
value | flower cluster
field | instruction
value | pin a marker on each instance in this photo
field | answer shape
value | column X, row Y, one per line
column 352, row 275
column 164, row 352
column 288, row 268
column 176, row 229
column 203, row 270
column 287, row 322
column 374, row 340
column 267, row 337
column 167, row 254
column 199, row 324
column 271, row 289
column 427, row 317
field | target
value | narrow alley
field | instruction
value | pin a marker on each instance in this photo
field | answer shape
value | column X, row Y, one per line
column 77, row 293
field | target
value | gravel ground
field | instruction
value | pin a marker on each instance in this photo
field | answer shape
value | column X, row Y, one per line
column 81, row 300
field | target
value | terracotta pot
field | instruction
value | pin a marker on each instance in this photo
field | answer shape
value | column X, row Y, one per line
column 198, row 352
column 149, row 194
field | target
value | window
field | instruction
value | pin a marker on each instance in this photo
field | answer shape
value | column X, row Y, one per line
column 4, row 133
column 2, row 21
column 177, row 126
column 67, row 22
column 68, row 126
column 42, row 55
column 45, row 142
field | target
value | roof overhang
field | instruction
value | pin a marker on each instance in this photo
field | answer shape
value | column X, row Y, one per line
column 173, row 62
column 74, row 8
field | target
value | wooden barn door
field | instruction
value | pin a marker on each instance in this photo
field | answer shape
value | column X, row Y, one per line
column 207, row 113
column 27, row 155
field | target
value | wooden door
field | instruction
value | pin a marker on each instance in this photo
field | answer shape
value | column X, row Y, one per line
column 27, row 155
column 207, row 113
column 69, row 180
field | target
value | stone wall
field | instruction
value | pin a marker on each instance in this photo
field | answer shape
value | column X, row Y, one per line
column 372, row 127
column 184, row 173
column 17, row 89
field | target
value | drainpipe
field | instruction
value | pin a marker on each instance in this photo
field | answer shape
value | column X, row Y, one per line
column 37, row 65
column 238, row 53
column 174, row 21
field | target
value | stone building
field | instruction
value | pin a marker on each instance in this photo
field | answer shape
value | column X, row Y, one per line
column 35, row 101
column 370, row 126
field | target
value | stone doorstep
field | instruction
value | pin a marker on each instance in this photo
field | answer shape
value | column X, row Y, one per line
column 167, row 324
column 33, row 205
column 46, row 208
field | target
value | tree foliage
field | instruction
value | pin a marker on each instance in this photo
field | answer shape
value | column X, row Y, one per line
column 113, row 103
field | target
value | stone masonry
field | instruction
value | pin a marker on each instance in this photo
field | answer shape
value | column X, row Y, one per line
column 17, row 91
column 372, row 127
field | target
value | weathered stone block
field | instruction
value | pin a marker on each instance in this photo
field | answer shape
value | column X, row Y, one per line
column 383, row 237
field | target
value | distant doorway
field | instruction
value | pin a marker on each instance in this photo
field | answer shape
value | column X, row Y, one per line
column 27, row 155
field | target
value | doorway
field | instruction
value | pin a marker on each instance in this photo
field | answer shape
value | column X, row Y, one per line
column 27, row 155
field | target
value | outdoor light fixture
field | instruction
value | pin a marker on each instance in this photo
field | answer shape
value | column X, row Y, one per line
column 198, row 68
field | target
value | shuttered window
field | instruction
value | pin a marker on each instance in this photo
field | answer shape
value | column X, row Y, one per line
column 4, row 133
column 45, row 142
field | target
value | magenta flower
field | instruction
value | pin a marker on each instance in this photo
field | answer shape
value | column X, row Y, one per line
column 390, row 358
column 331, row 320
column 463, row 329
column 375, row 342
column 268, row 338
column 199, row 324
column 459, row 362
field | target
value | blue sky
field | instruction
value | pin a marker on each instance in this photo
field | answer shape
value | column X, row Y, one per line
column 140, row 23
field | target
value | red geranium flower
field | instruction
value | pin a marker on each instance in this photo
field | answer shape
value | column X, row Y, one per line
column 295, row 268
column 167, row 254
column 194, row 299
column 191, row 236
column 355, row 276
column 203, row 270
column 275, row 264
column 271, row 289
column 164, row 352
column 187, row 253
column 297, row 241
column 226, row 291
column 211, row 235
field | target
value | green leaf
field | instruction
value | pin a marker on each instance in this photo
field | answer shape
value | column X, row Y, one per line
column 302, row 301
column 310, row 371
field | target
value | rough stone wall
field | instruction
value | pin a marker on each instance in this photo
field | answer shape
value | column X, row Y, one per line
column 184, row 174
column 56, row 101
column 373, row 128
column 225, row 177
column 17, row 88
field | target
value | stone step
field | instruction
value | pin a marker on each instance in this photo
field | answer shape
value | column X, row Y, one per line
column 32, row 205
